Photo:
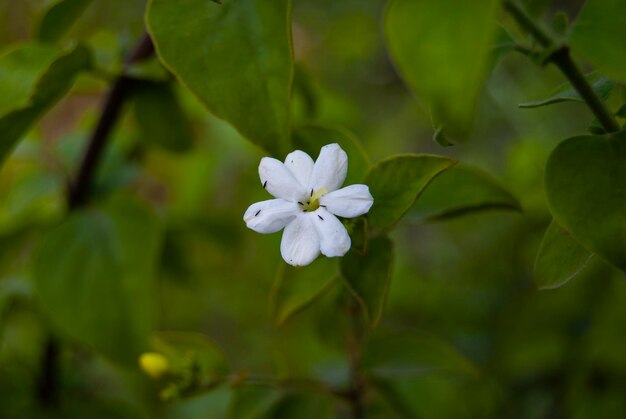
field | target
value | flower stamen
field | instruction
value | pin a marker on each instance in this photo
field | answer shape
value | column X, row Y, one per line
column 313, row 203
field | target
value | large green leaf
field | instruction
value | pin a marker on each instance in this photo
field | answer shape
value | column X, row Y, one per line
column 257, row 402
column 311, row 138
column 297, row 287
column 19, row 71
column 419, row 374
column 240, row 66
column 395, row 184
column 460, row 190
column 160, row 118
column 566, row 93
column 253, row 402
column 413, row 355
column 50, row 87
column 442, row 49
column 430, row 396
column 585, row 178
column 59, row 19
column 368, row 276
column 94, row 277
column 598, row 34
column 502, row 45
column 304, row 405
column 560, row 258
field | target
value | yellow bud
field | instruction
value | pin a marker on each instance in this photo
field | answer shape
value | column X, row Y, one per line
column 154, row 364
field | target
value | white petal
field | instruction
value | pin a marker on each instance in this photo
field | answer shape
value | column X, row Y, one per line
column 349, row 202
column 279, row 181
column 330, row 168
column 300, row 244
column 334, row 239
column 301, row 165
column 270, row 216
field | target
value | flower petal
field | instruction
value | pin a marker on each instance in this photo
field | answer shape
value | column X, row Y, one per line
column 330, row 168
column 300, row 244
column 349, row 202
column 279, row 181
column 301, row 165
column 270, row 216
column 334, row 239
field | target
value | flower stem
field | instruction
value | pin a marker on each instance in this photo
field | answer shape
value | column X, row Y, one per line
column 560, row 56
column 78, row 191
column 77, row 194
column 48, row 389
column 354, row 394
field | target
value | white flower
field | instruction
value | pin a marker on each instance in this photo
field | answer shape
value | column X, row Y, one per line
column 307, row 199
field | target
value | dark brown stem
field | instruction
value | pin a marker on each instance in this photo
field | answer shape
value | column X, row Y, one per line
column 354, row 395
column 48, row 383
column 560, row 56
column 48, row 389
column 563, row 60
column 79, row 189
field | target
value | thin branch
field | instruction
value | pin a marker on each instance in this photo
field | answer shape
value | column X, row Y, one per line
column 79, row 189
column 357, row 385
column 47, row 386
column 563, row 60
column 560, row 56
column 48, row 382
column 525, row 21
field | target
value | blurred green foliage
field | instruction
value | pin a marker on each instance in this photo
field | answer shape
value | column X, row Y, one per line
column 441, row 318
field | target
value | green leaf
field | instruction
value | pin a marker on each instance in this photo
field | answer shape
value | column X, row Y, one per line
column 460, row 190
column 149, row 69
column 621, row 112
column 19, row 71
column 441, row 138
column 160, row 118
column 195, row 363
column 179, row 347
column 359, row 231
column 59, row 18
column 566, row 93
column 11, row 290
column 406, row 356
column 256, row 402
column 51, row 86
column 503, row 44
column 296, row 288
column 368, row 276
column 442, row 49
column 598, row 34
column 419, row 374
column 253, row 402
column 560, row 258
column 560, row 22
column 311, row 138
column 241, row 66
column 429, row 396
column 395, row 184
column 585, row 178
column 303, row 405
column 304, row 89
column 595, row 127
column 94, row 277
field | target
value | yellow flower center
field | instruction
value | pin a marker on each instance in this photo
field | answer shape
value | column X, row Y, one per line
column 311, row 203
